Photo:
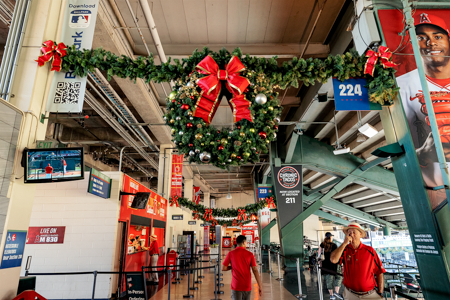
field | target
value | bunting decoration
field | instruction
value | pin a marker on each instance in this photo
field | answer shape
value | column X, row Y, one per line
column 51, row 51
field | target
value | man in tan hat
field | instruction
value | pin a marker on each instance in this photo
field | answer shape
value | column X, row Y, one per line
column 363, row 270
column 154, row 255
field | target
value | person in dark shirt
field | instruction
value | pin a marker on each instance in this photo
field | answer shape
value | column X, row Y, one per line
column 329, row 269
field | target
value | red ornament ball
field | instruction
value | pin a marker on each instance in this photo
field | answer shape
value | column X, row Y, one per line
column 275, row 127
column 238, row 157
column 173, row 101
column 239, row 127
column 189, row 125
column 220, row 148
column 191, row 145
column 262, row 135
column 185, row 107
column 192, row 97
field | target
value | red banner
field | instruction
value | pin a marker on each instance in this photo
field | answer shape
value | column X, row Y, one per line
column 196, row 197
column 177, row 175
column 46, row 235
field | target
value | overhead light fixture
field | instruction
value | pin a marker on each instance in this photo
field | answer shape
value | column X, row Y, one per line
column 339, row 151
column 368, row 130
column 229, row 196
column 360, row 138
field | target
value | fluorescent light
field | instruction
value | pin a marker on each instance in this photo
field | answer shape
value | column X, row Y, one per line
column 341, row 151
column 229, row 196
column 368, row 130
column 360, row 138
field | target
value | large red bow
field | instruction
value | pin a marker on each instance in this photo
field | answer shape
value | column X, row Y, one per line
column 270, row 203
column 51, row 50
column 209, row 101
column 174, row 200
column 196, row 217
column 208, row 214
column 383, row 54
column 242, row 215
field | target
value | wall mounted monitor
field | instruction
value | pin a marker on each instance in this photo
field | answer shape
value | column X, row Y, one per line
column 54, row 164
column 140, row 200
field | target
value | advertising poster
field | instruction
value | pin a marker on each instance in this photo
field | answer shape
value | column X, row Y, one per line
column 99, row 184
column 432, row 29
column 177, row 175
column 289, row 191
column 196, row 194
column 46, row 235
column 13, row 251
column 67, row 90
column 264, row 191
column 206, row 238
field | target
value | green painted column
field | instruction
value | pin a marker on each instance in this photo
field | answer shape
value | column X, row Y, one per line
column 387, row 231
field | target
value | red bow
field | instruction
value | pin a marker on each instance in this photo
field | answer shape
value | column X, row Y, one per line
column 384, row 54
column 51, row 50
column 196, row 217
column 174, row 200
column 214, row 222
column 242, row 215
column 234, row 222
column 270, row 203
column 209, row 101
column 208, row 215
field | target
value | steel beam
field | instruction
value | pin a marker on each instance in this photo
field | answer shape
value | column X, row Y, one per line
column 360, row 196
column 385, row 206
column 400, row 217
column 322, row 187
column 373, row 201
column 390, row 212
column 350, row 190
column 331, row 217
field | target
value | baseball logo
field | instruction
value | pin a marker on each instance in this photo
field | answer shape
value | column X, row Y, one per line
column 288, row 177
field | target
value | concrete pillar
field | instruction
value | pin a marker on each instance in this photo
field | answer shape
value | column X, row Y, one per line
column 189, row 188
column 30, row 90
column 165, row 170
column 207, row 199
column 387, row 230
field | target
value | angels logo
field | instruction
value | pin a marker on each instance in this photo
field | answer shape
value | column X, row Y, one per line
column 424, row 18
column 288, row 177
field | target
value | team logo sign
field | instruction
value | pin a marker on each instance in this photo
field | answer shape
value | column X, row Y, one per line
column 288, row 177
column 226, row 242
column 80, row 18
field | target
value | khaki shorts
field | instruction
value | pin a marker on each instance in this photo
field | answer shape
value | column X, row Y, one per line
column 238, row 295
column 351, row 296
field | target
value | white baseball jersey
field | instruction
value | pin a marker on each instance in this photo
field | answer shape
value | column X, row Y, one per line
column 410, row 93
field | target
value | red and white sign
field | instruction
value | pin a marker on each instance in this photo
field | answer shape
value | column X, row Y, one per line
column 196, row 194
column 226, row 242
column 177, row 175
column 45, row 235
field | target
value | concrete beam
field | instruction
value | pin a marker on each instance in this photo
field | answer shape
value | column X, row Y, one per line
column 311, row 176
column 360, row 196
column 351, row 126
column 372, row 201
column 385, row 206
column 400, row 217
column 322, row 181
column 391, row 212
column 350, row 190
column 331, row 218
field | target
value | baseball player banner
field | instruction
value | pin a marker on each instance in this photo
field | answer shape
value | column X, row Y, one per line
column 67, row 90
column 177, row 176
column 196, row 194
column 432, row 29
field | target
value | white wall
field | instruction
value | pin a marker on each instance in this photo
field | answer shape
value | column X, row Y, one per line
column 237, row 200
column 89, row 243
column 311, row 226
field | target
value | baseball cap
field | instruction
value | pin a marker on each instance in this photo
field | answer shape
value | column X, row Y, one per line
column 328, row 234
column 427, row 19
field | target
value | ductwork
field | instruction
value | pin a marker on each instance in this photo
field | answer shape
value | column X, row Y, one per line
column 6, row 12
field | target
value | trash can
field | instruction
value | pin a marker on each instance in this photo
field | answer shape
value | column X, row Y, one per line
column 171, row 259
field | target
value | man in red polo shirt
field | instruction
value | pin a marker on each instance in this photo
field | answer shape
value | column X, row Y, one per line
column 239, row 262
column 363, row 270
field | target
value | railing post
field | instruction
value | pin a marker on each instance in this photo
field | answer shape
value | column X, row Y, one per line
column 197, row 262
column 279, row 268
column 93, row 288
column 300, row 294
column 319, row 281
column 215, row 285
column 144, row 282
column 270, row 262
column 188, row 288
column 177, row 279
column 168, row 292
column 392, row 291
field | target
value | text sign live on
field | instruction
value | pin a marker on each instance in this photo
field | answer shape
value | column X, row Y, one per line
column 351, row 94
column 289, row 191
column 13, row 251
column 99, row 184
column 46, row 235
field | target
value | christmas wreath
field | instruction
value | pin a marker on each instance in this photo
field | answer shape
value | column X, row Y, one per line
column 247, row 82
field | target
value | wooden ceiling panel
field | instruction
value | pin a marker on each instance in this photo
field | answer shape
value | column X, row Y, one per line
column 278, row 20
column 160, row 21
column 327, row 19
column 216, row 14
column 175, row 16
column 238, row 11
column 196, row 20
column 298, row 20
column 257, row 20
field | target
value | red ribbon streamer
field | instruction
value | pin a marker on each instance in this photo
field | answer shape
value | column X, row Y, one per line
column 174, row 200
column 242, row 215
column 208, row 215
column 50, row 50
column 383, row 54
column 209, row 101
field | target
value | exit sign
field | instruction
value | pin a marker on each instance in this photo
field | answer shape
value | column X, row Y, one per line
column 46, row 144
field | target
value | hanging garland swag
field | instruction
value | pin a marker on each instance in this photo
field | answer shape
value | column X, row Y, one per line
column 248, row 83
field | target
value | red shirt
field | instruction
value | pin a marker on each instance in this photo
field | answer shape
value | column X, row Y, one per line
column 154, row 249
column 360, row 268
column 48, row 170
column 241, row 260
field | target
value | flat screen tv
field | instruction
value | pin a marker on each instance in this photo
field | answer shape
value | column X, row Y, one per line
column 140, row 200
column 54, row 164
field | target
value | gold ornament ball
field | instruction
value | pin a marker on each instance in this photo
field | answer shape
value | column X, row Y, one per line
column 246, row 154
column 198, row 136
column 189, row 113
column 237, row 143
column 233, row 155
column 242, row 134
column 267, row 141
column 270, row 107
column 172, row 95
column 180, row 144
column 173, row 131
column 264, row 112
column 229, row 137
column 212, row 143
column 199, row 126
column 252, row 130
column 202, row 144
column 172, row 121
column 224, row 141
column 249, row 142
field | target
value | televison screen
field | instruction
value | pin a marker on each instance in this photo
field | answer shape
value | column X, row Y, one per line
column 55, row 164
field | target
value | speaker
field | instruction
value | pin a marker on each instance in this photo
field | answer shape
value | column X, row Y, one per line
column 140, row 200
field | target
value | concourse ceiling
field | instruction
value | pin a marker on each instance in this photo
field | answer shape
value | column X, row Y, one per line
column 263, row 28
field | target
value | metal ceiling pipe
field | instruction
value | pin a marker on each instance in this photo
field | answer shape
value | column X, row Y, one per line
column 313, row 29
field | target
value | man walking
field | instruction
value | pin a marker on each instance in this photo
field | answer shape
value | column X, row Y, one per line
column 239, row 262
column 363, row 270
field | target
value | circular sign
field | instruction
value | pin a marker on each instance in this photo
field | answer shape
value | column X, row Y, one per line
column 288, row 177
column 227, row 242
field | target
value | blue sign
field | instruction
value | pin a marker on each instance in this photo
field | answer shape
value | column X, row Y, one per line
column 264, row 192
column 99, row 184
column 351, row 94
column 13, row 251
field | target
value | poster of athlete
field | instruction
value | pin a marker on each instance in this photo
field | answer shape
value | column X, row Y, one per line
column 432, row 29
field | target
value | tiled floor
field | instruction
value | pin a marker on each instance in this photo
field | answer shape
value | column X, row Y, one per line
column 272, row 289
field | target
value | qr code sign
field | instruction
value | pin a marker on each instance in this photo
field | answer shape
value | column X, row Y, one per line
column 67, row 92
